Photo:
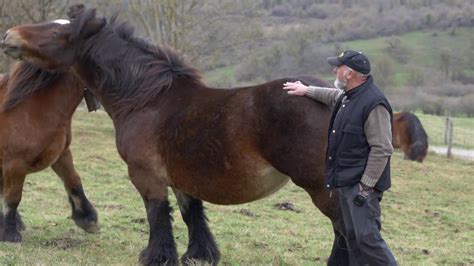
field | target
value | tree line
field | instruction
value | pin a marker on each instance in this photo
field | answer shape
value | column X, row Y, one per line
column 259, row 40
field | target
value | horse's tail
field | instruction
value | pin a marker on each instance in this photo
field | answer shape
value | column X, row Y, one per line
column 418, row 137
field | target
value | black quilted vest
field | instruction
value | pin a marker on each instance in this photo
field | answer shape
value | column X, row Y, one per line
column 348, row 150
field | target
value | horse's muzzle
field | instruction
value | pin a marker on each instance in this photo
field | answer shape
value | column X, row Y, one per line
column 9, row 46
column 12, row 51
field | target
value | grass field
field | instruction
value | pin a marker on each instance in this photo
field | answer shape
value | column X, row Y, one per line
column 428, row 215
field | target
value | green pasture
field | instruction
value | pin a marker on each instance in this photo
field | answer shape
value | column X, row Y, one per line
column 428, row 215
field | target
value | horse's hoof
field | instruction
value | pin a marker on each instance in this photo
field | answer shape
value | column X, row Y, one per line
column 13, row 237
column 197, row 257
column 91, row 227
column 87, row 222
column 19, row 224
column 155, row 258
column 194, row 261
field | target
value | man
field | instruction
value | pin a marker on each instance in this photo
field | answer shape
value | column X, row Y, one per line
column 358, row 152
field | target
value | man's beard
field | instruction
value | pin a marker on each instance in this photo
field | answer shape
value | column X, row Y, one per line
column 340, row 84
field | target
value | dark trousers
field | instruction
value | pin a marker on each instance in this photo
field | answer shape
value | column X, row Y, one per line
column 362, row 224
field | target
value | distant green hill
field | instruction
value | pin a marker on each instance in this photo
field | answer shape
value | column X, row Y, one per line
column 419, row 51
column 424, row 49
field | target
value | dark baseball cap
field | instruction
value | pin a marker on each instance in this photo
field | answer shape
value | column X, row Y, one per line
column 353, row 59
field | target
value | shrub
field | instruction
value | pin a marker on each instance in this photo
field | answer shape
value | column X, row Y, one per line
column 383, row 70
column 416, row 76
column 281, row 11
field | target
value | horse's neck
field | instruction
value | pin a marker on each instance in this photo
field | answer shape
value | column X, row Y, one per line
column 182, row 88
column 88, row 76
column 66, row 95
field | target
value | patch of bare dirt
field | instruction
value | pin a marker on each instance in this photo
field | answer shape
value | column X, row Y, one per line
column 63, row 243
column 286, row 206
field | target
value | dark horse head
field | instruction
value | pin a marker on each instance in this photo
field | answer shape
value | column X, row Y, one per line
column 222, row 146
column 410, row 136
column 49, row 39
column 101, row 45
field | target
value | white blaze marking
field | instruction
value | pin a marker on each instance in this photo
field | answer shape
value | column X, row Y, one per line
column 61, row 21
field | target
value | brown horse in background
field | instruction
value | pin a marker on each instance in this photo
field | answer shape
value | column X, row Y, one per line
column 224, row 146
column 409, row 135
column 35, row 133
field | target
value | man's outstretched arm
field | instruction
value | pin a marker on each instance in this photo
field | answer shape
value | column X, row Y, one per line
column 328, row 96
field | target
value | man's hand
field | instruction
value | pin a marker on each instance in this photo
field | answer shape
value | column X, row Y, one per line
column 295, row 88
column 361, row 197
column 365, row 190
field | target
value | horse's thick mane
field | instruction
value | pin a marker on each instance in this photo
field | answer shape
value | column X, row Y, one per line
column 23, row 81
column 131, row 70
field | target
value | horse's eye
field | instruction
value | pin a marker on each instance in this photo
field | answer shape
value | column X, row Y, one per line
column 55, row 34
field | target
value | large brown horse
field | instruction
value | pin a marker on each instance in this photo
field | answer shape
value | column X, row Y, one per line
column 224, row 146
column 35, row 132
column 409, row 135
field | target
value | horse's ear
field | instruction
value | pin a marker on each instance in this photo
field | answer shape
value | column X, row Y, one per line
column 75, row 10
column 93, row 27
column 88, row 23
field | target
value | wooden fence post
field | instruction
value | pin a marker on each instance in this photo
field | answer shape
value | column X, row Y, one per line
column 449, row 133
column 446, row 131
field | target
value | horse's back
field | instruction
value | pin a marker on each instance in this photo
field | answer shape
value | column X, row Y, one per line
column 312, row 80
column 272, row 119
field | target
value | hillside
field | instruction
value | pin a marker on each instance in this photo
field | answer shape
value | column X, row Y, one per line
column 419, row 50
column 430, row 71
column 422, row 50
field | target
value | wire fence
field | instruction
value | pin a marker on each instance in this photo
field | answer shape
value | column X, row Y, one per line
column 463, row 130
